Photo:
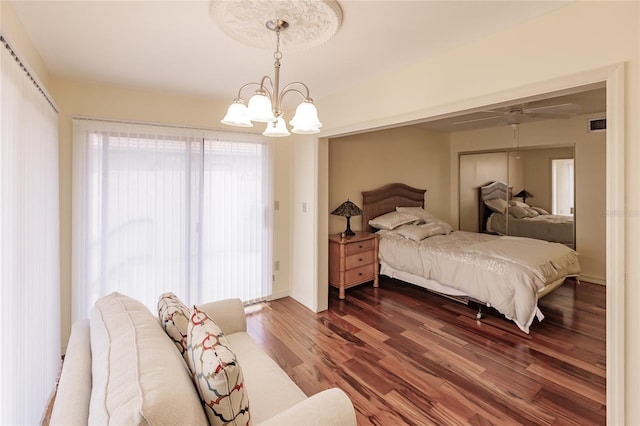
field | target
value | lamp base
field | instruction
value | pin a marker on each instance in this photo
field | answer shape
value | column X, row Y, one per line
column 348, row 232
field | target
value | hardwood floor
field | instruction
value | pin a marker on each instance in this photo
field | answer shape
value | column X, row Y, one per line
column 406, row 356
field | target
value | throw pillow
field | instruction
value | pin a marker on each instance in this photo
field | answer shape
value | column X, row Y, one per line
column 216, row 372
column 174, row 318
column 420, row 232
column 392, row 220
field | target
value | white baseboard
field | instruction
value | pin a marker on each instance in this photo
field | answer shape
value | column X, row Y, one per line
column 592, row 279
column 278, row 295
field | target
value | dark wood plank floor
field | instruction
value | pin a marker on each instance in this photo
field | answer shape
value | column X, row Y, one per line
column 406, row 356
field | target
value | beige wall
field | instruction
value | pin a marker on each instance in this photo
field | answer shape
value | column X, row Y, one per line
column 367, row 161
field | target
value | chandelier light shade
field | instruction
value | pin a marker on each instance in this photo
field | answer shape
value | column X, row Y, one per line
column 265, row 106
column 347, row 209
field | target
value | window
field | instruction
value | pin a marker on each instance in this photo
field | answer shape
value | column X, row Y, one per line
column 169, row 209
column 562, row 186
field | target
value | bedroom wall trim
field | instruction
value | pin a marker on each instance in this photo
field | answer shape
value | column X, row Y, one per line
column 616, row 243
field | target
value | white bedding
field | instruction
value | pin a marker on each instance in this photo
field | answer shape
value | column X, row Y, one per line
column 543, row 227
column 506, row 273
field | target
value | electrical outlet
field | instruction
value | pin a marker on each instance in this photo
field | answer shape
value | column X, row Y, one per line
column 276, row 205
column 276, row 265
column 304, row 207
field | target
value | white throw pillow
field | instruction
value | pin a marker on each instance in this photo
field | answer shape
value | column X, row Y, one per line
column 138, row 376
column 498, row 205
column 216, row 372
column 540, row 210
column 426, row 217
column 174, row 318
column 392, row 220
column 420, row 232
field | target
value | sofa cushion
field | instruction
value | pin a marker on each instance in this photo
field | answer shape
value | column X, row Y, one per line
column 174, row 318
column 138, row 375
column 262, row 377
column 216, row 372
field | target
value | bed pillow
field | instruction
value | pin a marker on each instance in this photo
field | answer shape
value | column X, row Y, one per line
column 426, row 217
column 539, row 210
column 518, row 203
column 174, row 318
column 518, row 212
column 393, row 220
column 420, row 232
column 498, row 205
column 216, row 372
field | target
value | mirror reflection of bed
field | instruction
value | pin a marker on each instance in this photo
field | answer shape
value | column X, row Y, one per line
column 507, row 274
column 502, row 213
column 536, row 184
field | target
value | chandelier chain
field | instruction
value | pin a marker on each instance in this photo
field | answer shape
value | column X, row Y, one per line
column 277, row 55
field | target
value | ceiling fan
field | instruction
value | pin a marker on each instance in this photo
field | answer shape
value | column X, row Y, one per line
column 520, row 113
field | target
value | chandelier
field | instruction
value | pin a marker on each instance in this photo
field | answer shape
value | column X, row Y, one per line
column 265, row 106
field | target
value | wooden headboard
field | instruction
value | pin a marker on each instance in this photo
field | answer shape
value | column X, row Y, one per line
column 490, row 191
column 386, row 198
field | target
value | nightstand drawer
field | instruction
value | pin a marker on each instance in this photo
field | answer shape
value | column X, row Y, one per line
column 358, row 247
column 359, row 259
column 358, row 275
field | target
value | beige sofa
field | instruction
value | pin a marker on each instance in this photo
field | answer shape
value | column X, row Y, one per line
column 121, row 368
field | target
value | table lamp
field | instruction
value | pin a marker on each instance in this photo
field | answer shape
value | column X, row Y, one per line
column 347, row 209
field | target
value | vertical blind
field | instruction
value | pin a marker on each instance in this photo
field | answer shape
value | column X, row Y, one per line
column 160, row 208
column 29, row 246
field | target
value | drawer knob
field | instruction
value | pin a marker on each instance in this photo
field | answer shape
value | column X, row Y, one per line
column 360, row 260
column 359, row 274
column 360, row 246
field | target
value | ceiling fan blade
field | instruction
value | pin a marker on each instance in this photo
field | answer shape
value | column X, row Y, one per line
column 473, row 120
column 547, row 115
column 559, row 108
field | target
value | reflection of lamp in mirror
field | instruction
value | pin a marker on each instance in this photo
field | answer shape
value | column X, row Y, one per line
column 347, row 209
column 524, row 194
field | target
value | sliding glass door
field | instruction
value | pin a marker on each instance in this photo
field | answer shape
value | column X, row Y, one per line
column 161, row 209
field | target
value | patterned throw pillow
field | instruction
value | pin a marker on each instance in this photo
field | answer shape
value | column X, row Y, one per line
column 216, row 372
column 174, row 318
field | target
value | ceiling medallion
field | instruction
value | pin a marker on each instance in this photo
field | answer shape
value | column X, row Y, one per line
column 312, row 22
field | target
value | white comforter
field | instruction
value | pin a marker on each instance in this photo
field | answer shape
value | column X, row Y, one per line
column 503, row 272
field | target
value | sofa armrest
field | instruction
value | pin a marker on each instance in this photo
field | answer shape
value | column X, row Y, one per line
column 71, row 406
column 228, row 314
column 329, row 407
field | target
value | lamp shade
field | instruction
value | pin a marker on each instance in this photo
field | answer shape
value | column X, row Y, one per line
column 347, row 209
column 524, row 194
column 305, row 120
column 237, row 115
column 260, row 109
column 277, row 129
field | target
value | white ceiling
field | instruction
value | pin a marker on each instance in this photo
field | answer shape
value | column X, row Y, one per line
column 176, row 46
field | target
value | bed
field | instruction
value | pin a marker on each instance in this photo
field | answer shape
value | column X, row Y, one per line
column 523, row 220
column 507, row 273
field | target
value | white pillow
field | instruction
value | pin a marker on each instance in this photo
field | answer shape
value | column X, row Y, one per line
column 539, row 210
column 416, row 211
column 420, row 232
column 392, row 220
column 498, row 205
column 518, row 212
column 426, row 217
column 138, row 376
column 518, row 203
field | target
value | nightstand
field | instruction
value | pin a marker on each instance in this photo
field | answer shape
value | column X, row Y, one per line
column 353, row 260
